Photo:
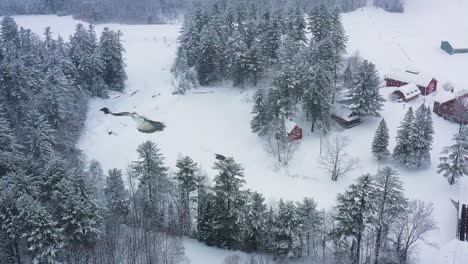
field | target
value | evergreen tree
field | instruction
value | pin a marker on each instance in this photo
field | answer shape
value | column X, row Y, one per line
column 296, row 26
column 317, row 95
column 115, row 195
column 310, row 219
column 288, row 77
column 40, row 137
column 380, row 142
column 354, row 211
column 363, row 96
column 209, row 62
column 44, row 236
column 254, row 223
column 187, row 183
column 111, row 52
column 423, row 140
column 154, row 185
column 270, row 39
column 228, row 203
column 405, row 140
column 454, row 164
column 320, row 23
column 9, row 146
column 260, row 122
column 237, row 58
column 287, row 230
column 87, row 59
column 389, row 205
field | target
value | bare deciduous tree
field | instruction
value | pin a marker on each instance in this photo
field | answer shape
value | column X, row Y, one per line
column 413, row 226
column 280, row 145
column 334, row 158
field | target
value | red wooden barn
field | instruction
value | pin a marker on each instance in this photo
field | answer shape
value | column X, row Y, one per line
column 425, row 83
column 293, row 130
column 453, row 106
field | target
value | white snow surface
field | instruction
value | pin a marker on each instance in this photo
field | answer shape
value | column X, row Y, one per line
column 200, row 125
column 409, row 90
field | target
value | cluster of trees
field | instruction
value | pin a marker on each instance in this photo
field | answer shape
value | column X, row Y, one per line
column 396, row 6
column 47, row 208
column 372, row 214
column 414, row 139
column 159, row 11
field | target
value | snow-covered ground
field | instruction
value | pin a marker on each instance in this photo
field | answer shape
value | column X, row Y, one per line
column 200, row 125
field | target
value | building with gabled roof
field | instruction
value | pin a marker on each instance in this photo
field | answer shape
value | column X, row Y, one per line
column 397, row 78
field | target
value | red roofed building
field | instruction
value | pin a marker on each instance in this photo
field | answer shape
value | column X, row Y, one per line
column 293, row 130
column 425, row 83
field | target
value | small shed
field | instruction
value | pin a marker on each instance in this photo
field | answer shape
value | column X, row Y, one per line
column 293, row 130
column 426, row 83
column 407, row 92
column 345, row 116
column 452, row 49
column 452, row 106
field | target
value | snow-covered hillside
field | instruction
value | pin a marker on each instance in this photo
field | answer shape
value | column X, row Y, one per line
column 202, row 124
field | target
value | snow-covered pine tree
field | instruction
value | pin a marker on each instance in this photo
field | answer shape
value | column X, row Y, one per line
column 310, row 219
column 317, row 90
column 44, row 236
column 260, row 122
column 155, row 184
column 9, row 146
column 111, row 52
column 76, row 213
column 355, row 207
column 380, row 142
column 253, row 223
column 338, row 39
column 270, row 38
column 39, row 138
column 209, row 63
column 237, row 58
column 320, row 23
column 87, row 59
column 9, row 35
column 288, row 76
column 454, row 162
column 228, row 201
column 116, row 196
column 296, row 26
column 286, row 231
column 389, row 205
column 421, row 155
column 186, row 176
column 403, row 151
column 363, row 96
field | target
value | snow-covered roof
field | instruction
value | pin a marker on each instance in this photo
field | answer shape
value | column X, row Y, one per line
column 445, row 96
column 410, row 76
column 289, row 125
column 344, row 113
column 409, row 90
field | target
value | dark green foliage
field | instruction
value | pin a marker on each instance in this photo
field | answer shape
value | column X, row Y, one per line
column 380, row 142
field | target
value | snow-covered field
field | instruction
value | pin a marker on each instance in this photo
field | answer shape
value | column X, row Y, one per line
column 200, row 125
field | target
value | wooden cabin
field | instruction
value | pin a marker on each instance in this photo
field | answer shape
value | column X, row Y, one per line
column 450, row 49
column 293, row 130
column 426, row 83
column 345, row 117
column 407, row 92
column 453, row 106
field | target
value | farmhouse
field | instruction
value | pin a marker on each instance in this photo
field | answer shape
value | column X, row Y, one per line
column 345, row 116
column 425, row 83
column 293, row 130
column 453, row 106
column 452, row 49
column 407, row 92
